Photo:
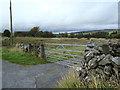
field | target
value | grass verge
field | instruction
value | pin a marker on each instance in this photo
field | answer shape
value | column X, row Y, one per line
column 72, row 80
column 18, row 57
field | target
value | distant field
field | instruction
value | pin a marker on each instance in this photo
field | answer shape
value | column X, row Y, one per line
column 52, row 40
column 82, row 41
column 112, row 32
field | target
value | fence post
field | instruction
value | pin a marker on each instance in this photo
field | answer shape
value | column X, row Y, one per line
column 42, row 51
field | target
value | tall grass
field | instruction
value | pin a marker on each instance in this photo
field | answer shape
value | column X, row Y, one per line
column 15, row 49
column 72, row 80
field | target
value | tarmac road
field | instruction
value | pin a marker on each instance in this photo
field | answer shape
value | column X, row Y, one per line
column 38, row 76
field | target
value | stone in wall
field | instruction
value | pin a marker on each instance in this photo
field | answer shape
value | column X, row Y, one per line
column 102, row 60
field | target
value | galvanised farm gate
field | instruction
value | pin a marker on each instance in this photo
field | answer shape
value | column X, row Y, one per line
column 65, row 54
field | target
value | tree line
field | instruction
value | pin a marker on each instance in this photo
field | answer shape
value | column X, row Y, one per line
column 36, row 32
column 114, row 34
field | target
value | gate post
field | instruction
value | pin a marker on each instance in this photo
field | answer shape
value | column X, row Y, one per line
column 42, row 51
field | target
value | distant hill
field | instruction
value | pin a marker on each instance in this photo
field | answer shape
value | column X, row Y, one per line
column 93, row 31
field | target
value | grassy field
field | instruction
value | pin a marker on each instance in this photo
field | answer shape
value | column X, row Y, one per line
column 47, row 40
column 82, row 41
column 17, row 56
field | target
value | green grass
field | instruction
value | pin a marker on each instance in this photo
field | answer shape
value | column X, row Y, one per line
column 21, row 57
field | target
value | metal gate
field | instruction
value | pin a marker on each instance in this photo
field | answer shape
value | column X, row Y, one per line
column 65, row 54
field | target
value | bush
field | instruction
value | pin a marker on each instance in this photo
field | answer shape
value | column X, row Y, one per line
column 6, row 42
column 6, row 33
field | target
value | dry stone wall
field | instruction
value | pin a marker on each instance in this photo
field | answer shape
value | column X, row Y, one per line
column 101, row 61
column 31, row 48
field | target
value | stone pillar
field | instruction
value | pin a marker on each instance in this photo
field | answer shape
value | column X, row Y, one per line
column 42, row 51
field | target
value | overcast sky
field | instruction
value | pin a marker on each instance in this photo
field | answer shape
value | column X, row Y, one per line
column 60, row 15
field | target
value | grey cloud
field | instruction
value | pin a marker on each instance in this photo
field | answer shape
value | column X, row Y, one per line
column 60, row 15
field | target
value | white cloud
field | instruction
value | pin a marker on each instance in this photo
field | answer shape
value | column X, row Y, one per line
column 60, row 14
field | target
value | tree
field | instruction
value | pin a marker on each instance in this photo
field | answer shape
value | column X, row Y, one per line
column 40, row 34
column 100, row 34
column 80, row 35
column 6, row 33
column 34, row 31
column 21, row 34
column 47, row 34
column 66, row 34
column 72, row 35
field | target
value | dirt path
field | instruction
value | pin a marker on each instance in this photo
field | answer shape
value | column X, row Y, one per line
column 38, row 76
